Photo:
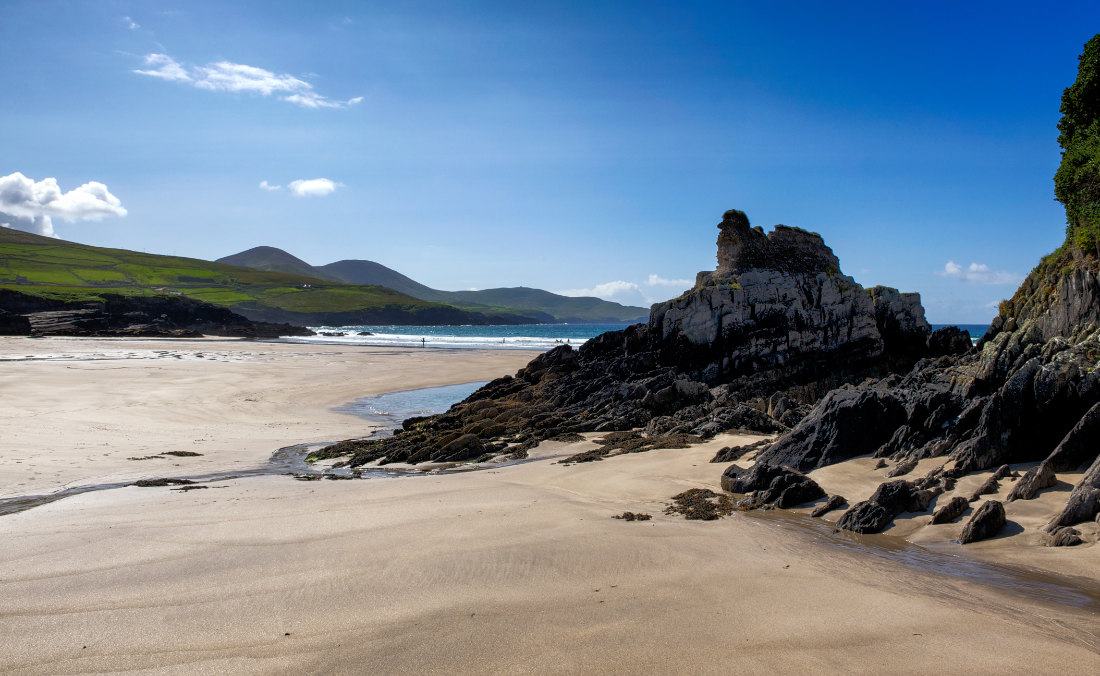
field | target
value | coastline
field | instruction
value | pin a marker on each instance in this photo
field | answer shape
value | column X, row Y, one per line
column 510, row 569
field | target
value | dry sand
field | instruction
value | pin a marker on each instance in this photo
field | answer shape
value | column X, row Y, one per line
column 517, row 569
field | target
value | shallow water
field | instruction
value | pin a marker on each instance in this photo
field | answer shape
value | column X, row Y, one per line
column 946, row 559
column 386, row 410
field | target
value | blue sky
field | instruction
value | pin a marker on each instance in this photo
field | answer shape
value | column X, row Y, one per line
column 580, row 146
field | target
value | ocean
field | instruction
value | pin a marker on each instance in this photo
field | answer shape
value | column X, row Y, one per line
column 514, row 337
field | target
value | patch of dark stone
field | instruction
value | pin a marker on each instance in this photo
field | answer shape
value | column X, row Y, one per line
column 989, row 487
column 951, row 510
column 161, row 455
column 617, row 443
column 189, row 488
column 1033, row 481
column 632, row 516
column 150, row 483
column 834, row 502
column 986, row 522
column 1064, row 537
column 888, row 501
column 701, row 504
column 735, row 453
column 766, row 484
column 902, row 468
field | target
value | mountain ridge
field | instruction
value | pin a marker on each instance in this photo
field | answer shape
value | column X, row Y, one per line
column 544, row 306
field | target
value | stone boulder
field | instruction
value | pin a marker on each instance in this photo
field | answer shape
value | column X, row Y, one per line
column 1033, row 481
column 889, row 500
column 986, row 522
column 1084, row 500
column 950, row 511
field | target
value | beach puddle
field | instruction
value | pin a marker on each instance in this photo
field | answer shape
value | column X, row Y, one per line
column 385, row 410
column 946, row 560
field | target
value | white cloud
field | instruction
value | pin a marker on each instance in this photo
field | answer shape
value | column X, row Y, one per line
column 130, row 23
column 313, row 187
column 225, row 76
column 264, row 185
column 34, row 205
column 979, row 273
column 164, row 67
column 655, row 280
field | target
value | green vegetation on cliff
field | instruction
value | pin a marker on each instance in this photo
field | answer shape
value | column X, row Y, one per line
column 68, row 271
column 1077, row 182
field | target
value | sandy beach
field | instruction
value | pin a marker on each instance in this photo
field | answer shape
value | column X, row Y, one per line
column 515, row 569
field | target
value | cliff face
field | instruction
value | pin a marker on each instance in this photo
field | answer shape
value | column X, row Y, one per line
column 756, row 340
column 1030, row 393
column 779, row 303
column 115, row 315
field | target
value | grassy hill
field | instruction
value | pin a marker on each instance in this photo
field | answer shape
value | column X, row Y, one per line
column 69, row 271
column 543, row 305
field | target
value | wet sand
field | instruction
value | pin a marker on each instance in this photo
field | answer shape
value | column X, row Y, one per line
column 517, row 569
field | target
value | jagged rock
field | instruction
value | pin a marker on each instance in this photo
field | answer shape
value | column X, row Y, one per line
column 117, row 315
column 1033, row 481
column 1084, row 500
column 776, row 317
column 986, row 522
column 735, row 453
column 900, row 320
column 902, row 468
column 879, row 464
column 951, row 511
column 1079, row 445
column 833, row 503
column 847, row 423
column 1064, row 537
column 949, row 340
column 781, row 486
column 990, row 486
column 889, row 500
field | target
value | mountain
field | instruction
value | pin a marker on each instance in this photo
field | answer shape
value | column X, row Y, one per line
column 542, row 305
column 277, row 260
column 66, row 271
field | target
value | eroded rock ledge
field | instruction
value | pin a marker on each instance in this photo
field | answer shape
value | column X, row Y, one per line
column 752, row 346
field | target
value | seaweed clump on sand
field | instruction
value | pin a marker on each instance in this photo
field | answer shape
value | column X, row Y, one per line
column 633, row 516
column 631, row 441
column 701, row 504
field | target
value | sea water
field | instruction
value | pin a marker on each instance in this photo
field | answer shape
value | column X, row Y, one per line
column 512, row 337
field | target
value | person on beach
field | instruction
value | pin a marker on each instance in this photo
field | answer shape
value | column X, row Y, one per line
column 422, row 341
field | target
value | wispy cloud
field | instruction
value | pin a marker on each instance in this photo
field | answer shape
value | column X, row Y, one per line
column 313, row 187
column 130, row 23
column 979, row 273
column 264, row 185
column 34, row 204
column 225, row 76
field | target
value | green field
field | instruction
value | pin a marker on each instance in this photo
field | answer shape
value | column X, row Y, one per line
column 51, row 267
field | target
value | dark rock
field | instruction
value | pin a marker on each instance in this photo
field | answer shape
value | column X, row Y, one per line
column 700, row 504
column 1033, row 481
column 989, row 487
column 14, row 325
column 902, row 468
column 1064, row 537
column 952, row 510
column 889, row 500
column 781, row 486
column 1084, row 500
column 949, row 340
column 149, row 483
column 1079, row 445
column 986, row 522
column 833, row 503
column 879, row 464
column 632, row 516
column 735, row 453
column 463, row 448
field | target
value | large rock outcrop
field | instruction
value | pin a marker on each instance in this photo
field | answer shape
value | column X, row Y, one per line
column 1031, row 393
column 751, row 346
column 116, row 315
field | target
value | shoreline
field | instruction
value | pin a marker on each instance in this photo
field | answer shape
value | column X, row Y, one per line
column 436, row 572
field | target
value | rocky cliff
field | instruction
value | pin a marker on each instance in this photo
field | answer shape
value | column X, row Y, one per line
column 757, row 340
column 115, row 315
column 1030, row 393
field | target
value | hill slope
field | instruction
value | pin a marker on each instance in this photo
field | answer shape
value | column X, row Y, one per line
column 63, row 270
column 543, row 305
column 276, row 260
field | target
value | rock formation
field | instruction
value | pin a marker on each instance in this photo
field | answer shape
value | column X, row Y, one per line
column 751, row 346
column 115, row 315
